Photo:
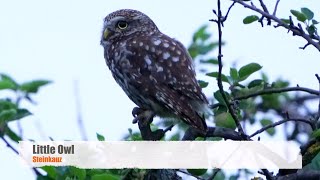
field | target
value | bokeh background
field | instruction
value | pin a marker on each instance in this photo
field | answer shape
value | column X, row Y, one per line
column 60, row 41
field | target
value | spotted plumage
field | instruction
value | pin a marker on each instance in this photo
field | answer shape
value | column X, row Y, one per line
column 154, row 70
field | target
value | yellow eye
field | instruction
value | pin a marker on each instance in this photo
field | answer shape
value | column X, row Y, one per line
column 122, row 24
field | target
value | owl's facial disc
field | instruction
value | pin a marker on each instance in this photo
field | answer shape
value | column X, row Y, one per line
column 114, row 26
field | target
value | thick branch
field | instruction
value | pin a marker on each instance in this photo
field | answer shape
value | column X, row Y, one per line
column 222, row 132
column 302, row 174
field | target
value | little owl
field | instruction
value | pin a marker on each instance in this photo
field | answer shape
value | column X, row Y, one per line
column 155, row 71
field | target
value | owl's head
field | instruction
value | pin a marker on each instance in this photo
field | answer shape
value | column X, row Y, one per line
column 125, row 22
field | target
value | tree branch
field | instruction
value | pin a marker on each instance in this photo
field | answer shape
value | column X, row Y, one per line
column 219, row 22
column 226, row 133
column 281, row 122
column 276, row 8
column 81, row 126
column 302, row 174
column 35, row 170
column 311, row 40
column 279, row 90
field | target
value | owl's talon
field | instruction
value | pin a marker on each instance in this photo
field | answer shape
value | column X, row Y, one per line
column 143, row 116
column 135, row 120
column 136, row 111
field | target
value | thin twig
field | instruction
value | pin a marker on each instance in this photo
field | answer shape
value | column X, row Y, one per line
column 80, row 123
column 281, row 122
column 35, row 170
column 275, row 8
column 279, row 90
column 229, row 9
column 265, row 9
column 189, row 174
column 216, row 171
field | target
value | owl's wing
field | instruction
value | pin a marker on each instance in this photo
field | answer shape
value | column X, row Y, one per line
column 162, row 70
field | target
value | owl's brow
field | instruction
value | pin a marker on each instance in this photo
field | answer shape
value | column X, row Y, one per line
column 114, row 19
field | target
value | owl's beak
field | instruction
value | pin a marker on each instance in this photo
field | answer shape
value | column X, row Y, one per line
column 105, row 33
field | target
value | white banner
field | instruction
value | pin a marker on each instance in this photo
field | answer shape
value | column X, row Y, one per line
column 162, row 154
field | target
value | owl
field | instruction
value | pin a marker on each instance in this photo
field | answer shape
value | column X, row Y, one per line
column 155, row 71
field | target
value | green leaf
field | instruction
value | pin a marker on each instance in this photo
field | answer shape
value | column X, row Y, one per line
column 266, row 122
column 104, row 176
column 311, row 29
column 316, row 133
column 314, row 22
column 220, row 175
column 197, row 172
column 203, row 84
column 309, row 14
column 300, row 16
column 250, row 19
column 100, row 137
column 79, row 173
column 287, row 21
column 6, row 104
column 201, row 34
column 312, row 160
column 21, row 113
column 210, row 61
column 13, row 136
column 217, row 95
column 215, row 74
column 254, row 83
column 33, row 86
column 7, row 82
column 7, row 115
column 234, row 74
column 6, row 85
column 225, row 120
column 248, row 69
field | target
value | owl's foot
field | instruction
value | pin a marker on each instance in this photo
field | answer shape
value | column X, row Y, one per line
column 142, row 115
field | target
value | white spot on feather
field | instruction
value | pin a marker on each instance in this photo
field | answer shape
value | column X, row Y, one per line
column 159, row 69
column 157, row 42
column 147, row 60
column 165, row 45
column 165, row 55
column 175, row 59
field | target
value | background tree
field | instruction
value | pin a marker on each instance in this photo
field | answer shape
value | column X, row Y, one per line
column 240, row 103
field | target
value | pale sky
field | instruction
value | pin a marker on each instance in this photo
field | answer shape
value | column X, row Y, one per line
column 60, row 41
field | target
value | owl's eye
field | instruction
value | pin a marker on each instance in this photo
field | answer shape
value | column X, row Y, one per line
column 122, row 25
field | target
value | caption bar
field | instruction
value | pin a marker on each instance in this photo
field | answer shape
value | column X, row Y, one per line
column 162, row 154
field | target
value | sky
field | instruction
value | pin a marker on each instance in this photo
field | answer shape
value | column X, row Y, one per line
column 60, row 41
